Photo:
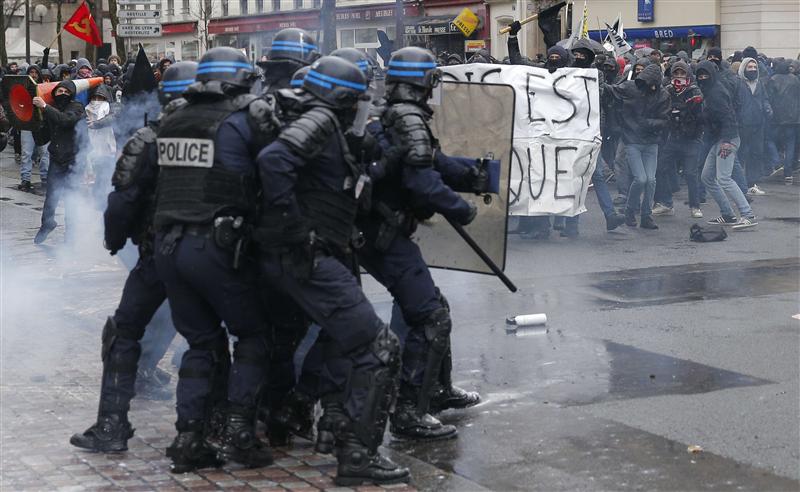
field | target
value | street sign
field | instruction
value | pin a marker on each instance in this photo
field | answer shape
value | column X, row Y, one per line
column 139, row 30
column 139, row 14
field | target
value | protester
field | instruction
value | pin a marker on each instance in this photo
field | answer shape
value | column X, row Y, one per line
column 60, row 118
column 754, row 111
column 784, row 95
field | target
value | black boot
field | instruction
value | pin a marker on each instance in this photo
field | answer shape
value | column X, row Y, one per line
column 109, row 434
column 408, row 423
column 630, row 219
column 297, row 415
column 445, row 397
column 332, row 422
column 648, row 223
column 190, row 452
column 614, row 220
column 239, row 442
column 358, row 465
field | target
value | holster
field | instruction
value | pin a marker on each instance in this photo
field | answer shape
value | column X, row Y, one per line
column 394, row 222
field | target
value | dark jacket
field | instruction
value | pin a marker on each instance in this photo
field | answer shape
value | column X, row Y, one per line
column 719, row 121
column 783, row 90
column 642, row 114
column 61, row 123
column 753, row 108
column 686, row 110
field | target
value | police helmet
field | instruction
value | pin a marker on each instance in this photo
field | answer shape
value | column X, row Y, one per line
column 415, row 66
column 226, row 65
column 294, row 44
column 299, row 76
column 358, row 57
column 335, row 81
column 175, row 80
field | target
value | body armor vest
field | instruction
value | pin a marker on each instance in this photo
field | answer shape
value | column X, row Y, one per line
column 193, row 186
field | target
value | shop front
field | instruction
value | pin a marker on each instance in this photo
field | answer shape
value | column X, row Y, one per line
column 694, row 40
column 364, row 26
column 255, row 33
column 179, row 41
column 437, row 31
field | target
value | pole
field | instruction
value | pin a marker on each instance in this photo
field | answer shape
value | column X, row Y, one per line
column 399, row 26
column 28, row 32
column 522, row 23
column 477, row 249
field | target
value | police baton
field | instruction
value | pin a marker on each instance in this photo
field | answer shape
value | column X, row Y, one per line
column 477, row 249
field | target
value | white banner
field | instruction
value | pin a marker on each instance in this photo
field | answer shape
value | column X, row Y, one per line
column 556, row 133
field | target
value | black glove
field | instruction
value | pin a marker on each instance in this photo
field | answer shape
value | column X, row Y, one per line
column 473, row 212
column 515, row 28
column 389, row 160
column 113, row 244
column 478, row 178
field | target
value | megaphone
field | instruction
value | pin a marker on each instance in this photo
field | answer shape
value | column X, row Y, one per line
column 18, row 94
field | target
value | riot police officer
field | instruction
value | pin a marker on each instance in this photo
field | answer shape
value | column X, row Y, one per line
column 205, row 201
column 311, row 187
column 129, row 215
column 291, row 49
column 408, row 192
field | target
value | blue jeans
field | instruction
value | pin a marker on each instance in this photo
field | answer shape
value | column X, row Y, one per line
column 29, row 149
column 601, row 189
column 786, row 140
column 678, row 153
column 717, row 179
column 643, row 162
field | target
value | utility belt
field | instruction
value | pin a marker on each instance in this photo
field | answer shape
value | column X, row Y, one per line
column 228, row 232
column 393, row 222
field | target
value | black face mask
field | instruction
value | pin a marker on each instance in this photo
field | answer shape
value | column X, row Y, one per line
column 704, row 83
column 610, row 74
column 715, row 61
column 751, row 74
column 62, row 100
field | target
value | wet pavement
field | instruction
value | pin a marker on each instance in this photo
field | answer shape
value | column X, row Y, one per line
column 653, row 344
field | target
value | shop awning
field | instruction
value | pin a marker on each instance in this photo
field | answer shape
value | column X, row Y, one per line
column 304, row 19
column 669, row 32
column 179, row 28
column 431, row 26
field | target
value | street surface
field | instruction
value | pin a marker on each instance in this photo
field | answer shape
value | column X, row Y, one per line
column 653, row 344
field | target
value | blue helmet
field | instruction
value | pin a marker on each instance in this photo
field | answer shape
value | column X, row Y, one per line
column 415, row 66
column 227, row 65
column 298, row 77
column 358, row 57
column 335, row 81
column 294, row 44
column 175, row 80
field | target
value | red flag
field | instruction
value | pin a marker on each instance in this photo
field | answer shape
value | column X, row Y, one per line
column 81, row 25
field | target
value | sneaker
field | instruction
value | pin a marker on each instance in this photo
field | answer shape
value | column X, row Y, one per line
column 726, row 221
column 630, row 219
column 25, row 186
column 697, row 213
column 648, row 223
column 746, row 223
column 778, row 170
column 614, row 220
column 756, row 191
column 661, row 209
column 620, row 200
column 788, row 180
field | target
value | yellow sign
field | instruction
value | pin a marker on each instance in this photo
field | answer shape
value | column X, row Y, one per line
column 473, row 45
column 466, row 22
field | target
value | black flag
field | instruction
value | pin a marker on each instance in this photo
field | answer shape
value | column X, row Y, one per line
column 550, row 24
column 141, row 77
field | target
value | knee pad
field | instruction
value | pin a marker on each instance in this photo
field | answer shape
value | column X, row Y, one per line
column 386, row 347
column 438, row 326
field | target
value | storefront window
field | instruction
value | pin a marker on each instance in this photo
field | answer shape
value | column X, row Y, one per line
column 366, row 36
column 190, row 50
column 346, row 38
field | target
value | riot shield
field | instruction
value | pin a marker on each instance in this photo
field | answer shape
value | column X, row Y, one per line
column 473, row 120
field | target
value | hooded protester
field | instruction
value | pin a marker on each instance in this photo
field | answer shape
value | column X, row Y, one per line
column 582, row 54
column 720, row 128
column 34, row 72
column 83, row 69
column 60, row 118
column 557, row 57
column 482, row 56
column 47, row 75
column 726, row 77
column 642, row 106
column 61, row 72
column 101, row 114
column 683, row 144
column 639, row 66
column 753, row 111
column 783, row 90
